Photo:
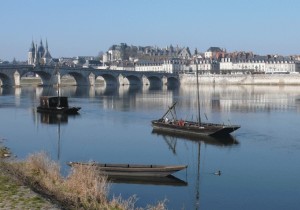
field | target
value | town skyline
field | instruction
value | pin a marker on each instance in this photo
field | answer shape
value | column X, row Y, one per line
column 44, row 43
column 75, row 28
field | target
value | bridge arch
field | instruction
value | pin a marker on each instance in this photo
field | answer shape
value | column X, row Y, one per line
column 6, row 80
column 46, row 78
column 155, row 81
column 109, row 80
column 131, row 80
column 80, row 79
column 173, row 82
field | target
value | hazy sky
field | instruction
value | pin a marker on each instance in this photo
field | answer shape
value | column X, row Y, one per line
column 85, row 27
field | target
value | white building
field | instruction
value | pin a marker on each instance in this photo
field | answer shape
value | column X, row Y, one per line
column 173, row 65
column 205, row 66
column 258, row 65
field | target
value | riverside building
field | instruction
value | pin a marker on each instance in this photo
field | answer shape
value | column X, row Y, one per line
column 177, row 60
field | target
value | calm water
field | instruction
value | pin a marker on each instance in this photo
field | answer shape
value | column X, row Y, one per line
column 259, row 171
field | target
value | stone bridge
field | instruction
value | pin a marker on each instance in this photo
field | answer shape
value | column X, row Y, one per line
column 10, row 75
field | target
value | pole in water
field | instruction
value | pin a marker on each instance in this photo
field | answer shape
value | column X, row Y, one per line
column 198, row 97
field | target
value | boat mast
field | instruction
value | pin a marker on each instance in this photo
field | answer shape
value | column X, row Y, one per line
column 58, row 78
column 198, row 97
column 169, row 110
column 58, row 83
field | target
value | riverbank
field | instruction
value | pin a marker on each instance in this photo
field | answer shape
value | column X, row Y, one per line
column 36, row 183
column 14, row 194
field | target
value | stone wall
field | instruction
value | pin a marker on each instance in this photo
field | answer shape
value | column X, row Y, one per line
column 256, row 79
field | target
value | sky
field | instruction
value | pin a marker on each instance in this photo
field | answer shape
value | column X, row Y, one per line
column 85, row 28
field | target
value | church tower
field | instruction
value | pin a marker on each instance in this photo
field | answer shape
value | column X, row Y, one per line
column 36, row 57
column 47, row 56
column 41, row 50
column 39, row 55
column 31, row 54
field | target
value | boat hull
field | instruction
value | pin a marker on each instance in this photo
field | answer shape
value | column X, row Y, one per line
column 132, row 169
column 59, row 110
column 192, row 129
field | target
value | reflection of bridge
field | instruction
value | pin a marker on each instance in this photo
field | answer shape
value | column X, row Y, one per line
column 10, row 75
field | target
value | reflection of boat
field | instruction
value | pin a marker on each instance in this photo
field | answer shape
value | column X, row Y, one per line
column 167, row 180
column 132, row 170
column 56, row 104
column 49, row 118
column 169, row 122
column 227, row 140
column 172, row 138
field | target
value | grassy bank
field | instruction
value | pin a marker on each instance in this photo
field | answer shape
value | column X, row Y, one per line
column 15, row 195
column 83, row 188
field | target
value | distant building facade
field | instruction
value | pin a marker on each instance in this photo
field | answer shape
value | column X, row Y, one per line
column 170, row 59
column 259, row 65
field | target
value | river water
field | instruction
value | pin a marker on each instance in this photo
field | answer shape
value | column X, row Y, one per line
column 259, row 165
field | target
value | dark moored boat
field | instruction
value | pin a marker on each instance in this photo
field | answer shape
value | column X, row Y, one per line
column 56, row 105
column 190, row 128
column 132, row 169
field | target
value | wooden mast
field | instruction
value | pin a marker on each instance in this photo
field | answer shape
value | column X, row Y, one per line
column 198, row 97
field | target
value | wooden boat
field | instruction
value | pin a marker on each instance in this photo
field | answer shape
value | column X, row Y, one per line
column 132, row 169
column 191, row 128
column 56, row 105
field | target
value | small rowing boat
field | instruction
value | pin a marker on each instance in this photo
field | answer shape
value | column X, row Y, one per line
column 132, row 169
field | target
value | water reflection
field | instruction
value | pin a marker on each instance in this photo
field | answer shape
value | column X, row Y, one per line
column 58, row 120
column 54, row 118
column 168, row 180
column 171, row 139
column 115, row 126
column 213, row 98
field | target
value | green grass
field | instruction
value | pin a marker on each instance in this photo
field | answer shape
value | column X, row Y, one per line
column 14, row 196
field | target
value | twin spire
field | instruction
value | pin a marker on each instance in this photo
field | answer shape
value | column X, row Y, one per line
column 39, row 55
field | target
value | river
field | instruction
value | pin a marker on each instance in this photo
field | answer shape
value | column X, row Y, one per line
column 259, row 165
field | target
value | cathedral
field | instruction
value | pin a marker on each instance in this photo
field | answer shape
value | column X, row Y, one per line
column 39, row 55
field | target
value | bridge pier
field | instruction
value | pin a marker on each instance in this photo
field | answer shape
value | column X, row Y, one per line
column 165, row 80
column 145, row 80
column 92, row 79
column 17, row 79
column 122, row 80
